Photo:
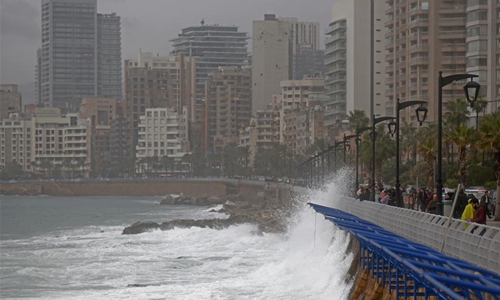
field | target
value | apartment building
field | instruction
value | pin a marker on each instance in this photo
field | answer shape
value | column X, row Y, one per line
column 354, row 60
column 10, row 100
column 423, row 38
column 100, row 111
column 295, row 96
column 213, row 46
column 483, row 48
column 275, row 42
column 154, row 81
column 228, row 106
column 162, row 131
column 57, row 138
column 15, row 141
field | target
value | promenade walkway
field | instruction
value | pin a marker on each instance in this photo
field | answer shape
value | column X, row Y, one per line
column 411, row 270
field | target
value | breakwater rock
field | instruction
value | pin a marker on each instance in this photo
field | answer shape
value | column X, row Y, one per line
column 269, row 212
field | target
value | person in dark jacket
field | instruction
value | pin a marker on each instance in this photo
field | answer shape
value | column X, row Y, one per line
column 462, row 202
column 480, row 213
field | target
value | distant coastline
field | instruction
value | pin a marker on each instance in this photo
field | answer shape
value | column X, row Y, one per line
column 193, row 187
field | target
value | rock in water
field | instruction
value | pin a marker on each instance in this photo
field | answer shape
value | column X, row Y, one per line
column 168, row 200
column 140, row 227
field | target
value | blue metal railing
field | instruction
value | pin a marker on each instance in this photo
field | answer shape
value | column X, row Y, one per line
column 410, row 268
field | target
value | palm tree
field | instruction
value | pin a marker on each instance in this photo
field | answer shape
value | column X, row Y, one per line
column 463, row 137
column 385, row 149
column 457, row 112
column 46, row 165
column 357, row 118
column 427, row 147
column 167, row 162
column 409, row 142
column 489, row 140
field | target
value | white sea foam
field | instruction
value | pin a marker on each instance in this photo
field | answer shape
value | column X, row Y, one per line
column 96, row 262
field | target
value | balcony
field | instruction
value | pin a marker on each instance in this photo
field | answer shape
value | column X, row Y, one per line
column 419, row 48
column 419, row 60
column 452, row 21
column 335, row 37
column 332, row 60
column 452, row 34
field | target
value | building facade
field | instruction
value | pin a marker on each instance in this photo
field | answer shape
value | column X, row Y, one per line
column 212, row 46
column 158, row 82
column 483, row 48
column 229, row 106
column 308, row 63
column 162, row 131
column 109, row 60
column 10, row 100
column 100, row 111
column 15, row 141
column 275, row 42
column 352, row 46
column 74, row 47
column 422, row 39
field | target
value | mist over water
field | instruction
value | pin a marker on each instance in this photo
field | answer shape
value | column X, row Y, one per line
column 94, row 261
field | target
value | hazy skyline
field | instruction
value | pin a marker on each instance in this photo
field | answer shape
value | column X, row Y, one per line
column 148, row 24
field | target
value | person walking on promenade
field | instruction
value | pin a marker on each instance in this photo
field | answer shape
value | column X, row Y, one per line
column 421, row 199
column 461, row 204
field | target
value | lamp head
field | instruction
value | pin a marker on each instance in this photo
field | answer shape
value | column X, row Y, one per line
column 421, row 112
column 392, row 127
column 471, row 90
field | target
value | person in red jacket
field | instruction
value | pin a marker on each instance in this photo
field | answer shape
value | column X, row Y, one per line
column 480, row 213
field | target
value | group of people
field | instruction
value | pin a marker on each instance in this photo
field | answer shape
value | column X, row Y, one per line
column 467, row 208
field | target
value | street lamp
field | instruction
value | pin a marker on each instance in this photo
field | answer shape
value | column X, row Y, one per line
column 359, row 130
column 468, row 88
column 346, row 138
column 421, row 115
column 472, row 88
column 375, row 121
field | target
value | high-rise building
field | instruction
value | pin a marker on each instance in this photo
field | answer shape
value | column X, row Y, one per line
column 352, row 47
column 308, row 63
column 38, row 76
column 483, row 47
column 275, row 41
column 228, row 106
column 423, row 38
column 109, row 59
column 212, row 46
column 120, row 159
column 80, row 54
column 10, row 100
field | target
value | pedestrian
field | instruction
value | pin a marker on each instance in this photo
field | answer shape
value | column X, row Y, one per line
column 480, row 213
column 462, row 202
column 421, row 199
column 488, row 203
column 432, row 205
column 468, row 213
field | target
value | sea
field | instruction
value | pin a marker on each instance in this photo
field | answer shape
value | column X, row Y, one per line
column 73, row 248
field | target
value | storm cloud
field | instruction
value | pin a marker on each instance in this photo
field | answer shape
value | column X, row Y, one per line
column 146, row 25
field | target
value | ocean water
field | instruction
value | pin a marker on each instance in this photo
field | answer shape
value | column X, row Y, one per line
column 72, row 248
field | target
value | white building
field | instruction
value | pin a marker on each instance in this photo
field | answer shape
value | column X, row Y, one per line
column 348, row 59
column 47, row 142
column 62, row 140
column 15, row 141
column 274, row 42
column 162, row 131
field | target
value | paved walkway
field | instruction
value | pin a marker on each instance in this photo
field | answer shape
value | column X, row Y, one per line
column 490, row 222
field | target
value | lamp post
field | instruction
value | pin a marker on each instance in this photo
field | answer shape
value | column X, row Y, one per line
column 346, row 138
column 421, row 116
column 359, row 130
column 375, row 121
column 471, row 88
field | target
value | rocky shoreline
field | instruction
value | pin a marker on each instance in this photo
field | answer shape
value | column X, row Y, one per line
column 269, row 211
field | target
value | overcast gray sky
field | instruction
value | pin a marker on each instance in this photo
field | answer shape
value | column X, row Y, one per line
column 146, row 24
